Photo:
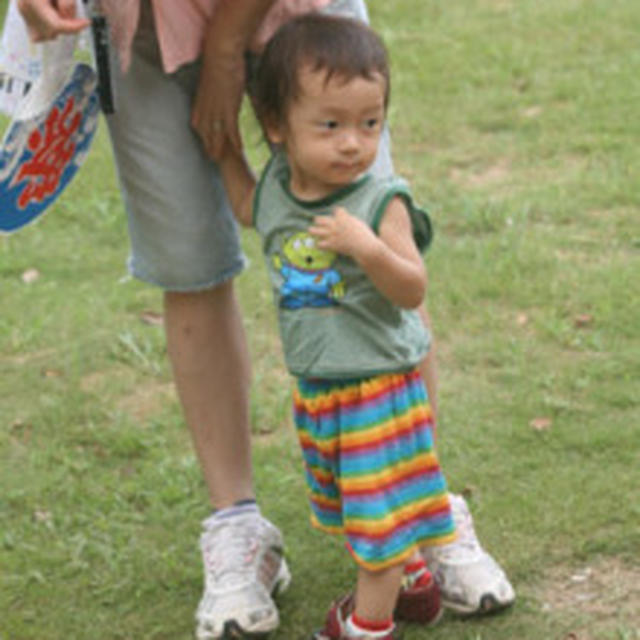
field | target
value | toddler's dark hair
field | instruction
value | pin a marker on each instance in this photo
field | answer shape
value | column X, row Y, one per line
column 341, row 46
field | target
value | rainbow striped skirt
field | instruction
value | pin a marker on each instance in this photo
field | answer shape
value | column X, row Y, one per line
column 370, row 466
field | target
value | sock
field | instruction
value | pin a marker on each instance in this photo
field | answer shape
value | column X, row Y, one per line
column 237, row 508
column 357, row 627
column 416, row 574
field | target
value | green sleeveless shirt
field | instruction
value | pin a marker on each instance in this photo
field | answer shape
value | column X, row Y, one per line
column 333, row 322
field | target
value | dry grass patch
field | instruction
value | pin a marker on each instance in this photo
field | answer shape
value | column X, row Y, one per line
column 494, row 174
column 147, row 400
column 600, row 599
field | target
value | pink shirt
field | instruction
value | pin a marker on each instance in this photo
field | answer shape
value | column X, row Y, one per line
column 181, row 24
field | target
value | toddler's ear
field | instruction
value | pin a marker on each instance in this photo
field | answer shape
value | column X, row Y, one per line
column 274, row 132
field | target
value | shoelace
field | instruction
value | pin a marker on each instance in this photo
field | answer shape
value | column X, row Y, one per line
column 229, row 552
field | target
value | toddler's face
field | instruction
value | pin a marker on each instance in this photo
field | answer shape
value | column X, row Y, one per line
column 332, row 131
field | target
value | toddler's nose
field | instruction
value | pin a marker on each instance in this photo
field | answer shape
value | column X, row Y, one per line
column 349, row 142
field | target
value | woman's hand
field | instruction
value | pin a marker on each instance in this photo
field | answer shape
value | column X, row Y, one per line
column 222, row 80
column 217, row 103
column 47, row 19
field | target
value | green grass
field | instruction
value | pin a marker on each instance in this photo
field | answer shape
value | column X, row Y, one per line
column 517, row 123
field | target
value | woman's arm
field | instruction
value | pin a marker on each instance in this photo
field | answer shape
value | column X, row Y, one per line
column 222, row 79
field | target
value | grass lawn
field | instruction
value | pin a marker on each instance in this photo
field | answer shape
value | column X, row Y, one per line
column 517, row 123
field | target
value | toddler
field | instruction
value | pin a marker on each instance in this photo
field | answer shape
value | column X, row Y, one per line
column 343, row 250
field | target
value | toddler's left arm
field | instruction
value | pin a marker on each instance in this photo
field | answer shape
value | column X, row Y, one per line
column 391, row 259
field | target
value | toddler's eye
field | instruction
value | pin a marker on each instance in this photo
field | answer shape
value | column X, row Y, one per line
column 371, row 123
column 329, row 124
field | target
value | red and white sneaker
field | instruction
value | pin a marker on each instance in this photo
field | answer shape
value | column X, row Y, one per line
column 419, row 599
column 335, row 626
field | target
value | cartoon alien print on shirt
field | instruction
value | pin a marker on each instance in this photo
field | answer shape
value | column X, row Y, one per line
column 308, row 277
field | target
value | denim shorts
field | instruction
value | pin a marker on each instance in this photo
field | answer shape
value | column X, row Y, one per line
column 182, row 231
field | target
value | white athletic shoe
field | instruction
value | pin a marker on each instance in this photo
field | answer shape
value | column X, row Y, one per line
column 470, row 580
column 243, row 568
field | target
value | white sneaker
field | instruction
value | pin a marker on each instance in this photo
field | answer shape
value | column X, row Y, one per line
column 470, row 580
column 243, row 568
